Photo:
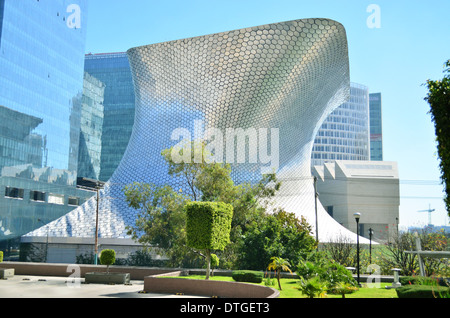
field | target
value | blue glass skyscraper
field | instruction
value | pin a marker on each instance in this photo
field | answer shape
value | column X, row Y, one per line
column 90, row 148
column 113, row 69
column 42, row 47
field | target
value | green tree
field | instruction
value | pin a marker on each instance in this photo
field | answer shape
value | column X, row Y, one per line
column 212, row 182
column 214, row 263
column 439, row 99
column 395, row 255
column 161, row 220
column 319, row 264
column 312, row 287
column 208, row 227
column 279, row 265
column 108, row 257
column 280, row 234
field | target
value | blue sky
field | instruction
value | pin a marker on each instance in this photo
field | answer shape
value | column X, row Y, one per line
column 410, row 47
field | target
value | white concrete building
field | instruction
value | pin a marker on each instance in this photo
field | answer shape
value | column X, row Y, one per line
column 368, row 187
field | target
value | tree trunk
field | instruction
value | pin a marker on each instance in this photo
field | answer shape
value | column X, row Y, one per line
column 208, row 263
column 279, row 278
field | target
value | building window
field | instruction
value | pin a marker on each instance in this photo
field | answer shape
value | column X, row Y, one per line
column 14, row 193
column 329, row 210
column 56, row 199
column 74, row 201
column 37, row 196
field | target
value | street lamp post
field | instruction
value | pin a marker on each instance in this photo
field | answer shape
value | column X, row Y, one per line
column 370, row 245
column 316, row 195
column 357, row 216
column 96, row 226
column 96, row 185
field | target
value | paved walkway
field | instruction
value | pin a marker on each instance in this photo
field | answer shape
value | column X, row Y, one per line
column 62, row 287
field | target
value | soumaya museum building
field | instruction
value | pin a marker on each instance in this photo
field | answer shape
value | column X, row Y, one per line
column 274, row 84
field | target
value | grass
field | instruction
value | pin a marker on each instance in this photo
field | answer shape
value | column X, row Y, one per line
column 290, row 289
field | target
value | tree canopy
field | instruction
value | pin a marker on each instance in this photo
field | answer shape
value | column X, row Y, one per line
column 439, row 99
column 161, row 222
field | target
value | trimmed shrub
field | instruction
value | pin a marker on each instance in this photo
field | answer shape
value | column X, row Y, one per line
column 248, row 276
column 422, row 291
column 1, row 256
column 107, row 257
column 208, row 224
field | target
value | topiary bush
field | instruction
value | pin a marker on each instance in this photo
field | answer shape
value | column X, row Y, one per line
column 208, row 226
column 107, row 257
column 422, row 291
column 248, row 276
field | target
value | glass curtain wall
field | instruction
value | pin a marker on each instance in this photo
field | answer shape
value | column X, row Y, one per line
column 344, row 135
column 113, row 69
column 91, row 128
column 42, row 47
column 376, row 127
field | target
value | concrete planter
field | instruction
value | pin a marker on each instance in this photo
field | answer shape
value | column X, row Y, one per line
column 6, row 273
column 107, row 278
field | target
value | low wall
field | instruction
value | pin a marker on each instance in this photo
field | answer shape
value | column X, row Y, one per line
column 155, row 279
column 136, row 273
column 165, row 285
column 65, row 270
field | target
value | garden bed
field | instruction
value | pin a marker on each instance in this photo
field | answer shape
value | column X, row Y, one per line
column 211, row 288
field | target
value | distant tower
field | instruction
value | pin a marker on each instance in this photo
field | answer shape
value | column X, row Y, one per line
column 376, row 127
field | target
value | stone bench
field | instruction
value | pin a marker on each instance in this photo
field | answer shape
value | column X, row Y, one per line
column 6, row 273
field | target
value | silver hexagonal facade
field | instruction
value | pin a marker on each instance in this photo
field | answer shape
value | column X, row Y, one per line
column 286, row 76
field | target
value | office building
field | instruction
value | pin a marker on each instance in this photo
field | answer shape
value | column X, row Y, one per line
column 344, row 135
column 376, row 127
column 90, row 148
column 42, row 47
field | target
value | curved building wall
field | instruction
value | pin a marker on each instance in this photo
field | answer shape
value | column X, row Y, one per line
column 278, row 81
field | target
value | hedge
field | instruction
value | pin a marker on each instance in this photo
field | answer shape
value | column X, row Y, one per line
column 208, row 224
column 421, row 280
column 422, row 291
column 248, row 276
